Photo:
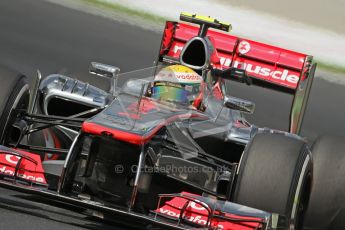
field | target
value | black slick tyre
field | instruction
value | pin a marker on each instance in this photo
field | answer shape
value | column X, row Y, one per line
column 14, row 94
column 326, row 208
column 275, row 175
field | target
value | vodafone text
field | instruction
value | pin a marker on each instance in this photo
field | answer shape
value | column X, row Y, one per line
column 202, row 220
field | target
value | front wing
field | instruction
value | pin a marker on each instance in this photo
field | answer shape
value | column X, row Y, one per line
column 23, row 171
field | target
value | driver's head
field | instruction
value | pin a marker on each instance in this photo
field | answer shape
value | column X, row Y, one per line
column 176, row 83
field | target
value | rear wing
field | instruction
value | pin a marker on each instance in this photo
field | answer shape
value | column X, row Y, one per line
column 268, row 66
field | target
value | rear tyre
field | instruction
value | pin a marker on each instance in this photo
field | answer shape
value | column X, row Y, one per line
column 14, row 94
column 326, row 208
column 275, row 176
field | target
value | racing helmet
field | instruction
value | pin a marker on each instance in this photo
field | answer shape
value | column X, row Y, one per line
column 176, row 83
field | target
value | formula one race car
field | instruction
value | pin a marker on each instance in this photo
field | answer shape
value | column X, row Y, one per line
column 170, row 149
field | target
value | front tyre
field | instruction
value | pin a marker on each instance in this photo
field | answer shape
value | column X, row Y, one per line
column 14, row 94
column 275, row 175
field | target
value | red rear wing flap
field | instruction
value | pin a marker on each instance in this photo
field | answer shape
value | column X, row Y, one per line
column 269, row 64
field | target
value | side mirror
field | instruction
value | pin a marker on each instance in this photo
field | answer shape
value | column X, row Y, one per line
column 239, row 104
column 108, row 71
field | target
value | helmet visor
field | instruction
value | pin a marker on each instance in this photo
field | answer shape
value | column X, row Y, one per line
column 168, row 91
column 175, row 92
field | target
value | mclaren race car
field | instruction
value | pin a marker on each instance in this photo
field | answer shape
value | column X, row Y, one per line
column 170, row 148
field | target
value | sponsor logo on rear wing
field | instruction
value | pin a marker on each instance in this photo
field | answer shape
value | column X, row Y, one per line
column 269, row 64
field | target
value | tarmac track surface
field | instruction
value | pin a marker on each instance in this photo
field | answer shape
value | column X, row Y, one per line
column 37, row 34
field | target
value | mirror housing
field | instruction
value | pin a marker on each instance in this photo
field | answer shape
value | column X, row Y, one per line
column 108, row 71
column 103, row 70
column 239, row 104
